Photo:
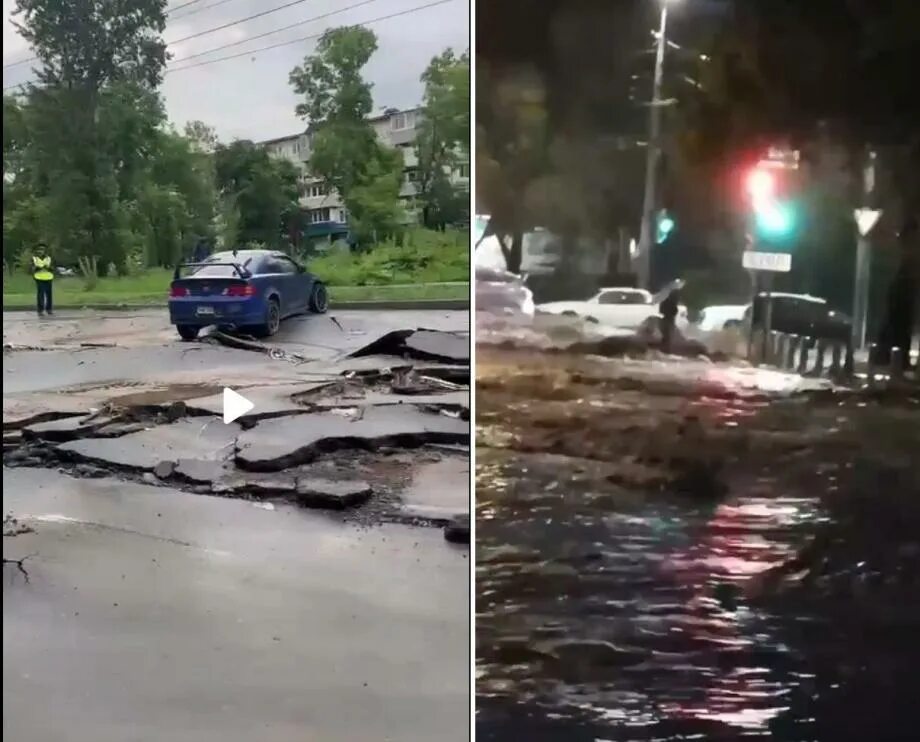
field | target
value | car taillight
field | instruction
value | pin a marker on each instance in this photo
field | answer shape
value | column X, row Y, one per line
column 178, row 291
column 236, row 290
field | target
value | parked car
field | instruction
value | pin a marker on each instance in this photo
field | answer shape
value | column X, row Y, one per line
column 621, row 307
column 250, row 290
column 722, row 317
column 800, row 314
column 499, row 292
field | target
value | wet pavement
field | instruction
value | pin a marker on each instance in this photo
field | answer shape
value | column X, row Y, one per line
column 270, row 579
column 665, row 553
column 150, row 614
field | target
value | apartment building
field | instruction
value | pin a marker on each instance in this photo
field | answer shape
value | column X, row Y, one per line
column 327, row 213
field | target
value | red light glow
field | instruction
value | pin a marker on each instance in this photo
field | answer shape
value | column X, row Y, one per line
column 761, row 185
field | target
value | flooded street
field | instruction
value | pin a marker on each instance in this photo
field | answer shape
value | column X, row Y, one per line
column 664, row 553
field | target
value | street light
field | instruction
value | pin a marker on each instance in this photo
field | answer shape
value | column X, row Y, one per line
column 646, row 238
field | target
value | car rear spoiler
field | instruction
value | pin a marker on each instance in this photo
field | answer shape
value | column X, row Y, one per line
column 240, row 270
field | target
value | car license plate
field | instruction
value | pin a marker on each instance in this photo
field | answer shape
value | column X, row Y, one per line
column 205, row 310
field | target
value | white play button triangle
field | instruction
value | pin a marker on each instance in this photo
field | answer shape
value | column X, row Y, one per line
column 235, row 405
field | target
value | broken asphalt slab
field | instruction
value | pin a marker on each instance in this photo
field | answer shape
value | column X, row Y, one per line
column 206, row 439
column 280, row 443
column 423, row 345
column 439, row 490
column 334, row 495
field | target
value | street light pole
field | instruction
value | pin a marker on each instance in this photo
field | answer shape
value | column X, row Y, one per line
column 644, row 261
column 863, row 261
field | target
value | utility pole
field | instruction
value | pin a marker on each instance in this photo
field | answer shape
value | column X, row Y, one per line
column 865, row 220
column 646, row 239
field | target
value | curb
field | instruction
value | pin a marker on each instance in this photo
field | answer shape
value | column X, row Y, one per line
column 391, row 305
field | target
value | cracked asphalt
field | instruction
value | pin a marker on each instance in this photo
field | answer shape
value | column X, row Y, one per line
column 283, row 578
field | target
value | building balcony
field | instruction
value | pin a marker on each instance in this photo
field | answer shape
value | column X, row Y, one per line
column 331, row 229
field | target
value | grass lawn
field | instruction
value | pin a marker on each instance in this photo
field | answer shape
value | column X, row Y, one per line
column 430, row 265
column 151, row 288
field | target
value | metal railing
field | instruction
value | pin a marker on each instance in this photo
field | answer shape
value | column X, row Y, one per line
column 822, row 358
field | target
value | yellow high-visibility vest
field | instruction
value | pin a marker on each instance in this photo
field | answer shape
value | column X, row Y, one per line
column 43, row 265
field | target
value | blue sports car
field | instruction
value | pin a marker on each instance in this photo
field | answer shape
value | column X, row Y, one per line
column 248, row 290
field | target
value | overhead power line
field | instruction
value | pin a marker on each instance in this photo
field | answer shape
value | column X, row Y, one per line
column 277, row 30
column 201, row 9
column 207, row 31
column 269, row 47
column 306, row 38
column 198, row 34
column 184, row 5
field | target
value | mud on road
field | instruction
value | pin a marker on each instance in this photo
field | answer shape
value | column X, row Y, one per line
column 670, row 550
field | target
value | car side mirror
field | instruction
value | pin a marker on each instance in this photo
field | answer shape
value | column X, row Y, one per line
column 301, row 269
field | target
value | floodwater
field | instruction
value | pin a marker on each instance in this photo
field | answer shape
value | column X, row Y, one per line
column 775, row 595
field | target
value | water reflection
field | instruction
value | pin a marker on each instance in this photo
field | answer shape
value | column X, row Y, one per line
column 625, row 613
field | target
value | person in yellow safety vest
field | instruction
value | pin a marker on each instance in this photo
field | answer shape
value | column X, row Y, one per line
column 44, row 278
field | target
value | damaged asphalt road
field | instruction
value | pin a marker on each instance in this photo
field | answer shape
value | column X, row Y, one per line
column 303, row 544
column 377, row 395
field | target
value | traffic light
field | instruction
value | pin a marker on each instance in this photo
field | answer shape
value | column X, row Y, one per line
column 774, row 215
column 774, row 220
column 665, row 226
column 761, row 185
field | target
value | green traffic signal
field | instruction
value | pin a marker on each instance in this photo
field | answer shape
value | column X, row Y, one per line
column 665, row 226
column 775, row 220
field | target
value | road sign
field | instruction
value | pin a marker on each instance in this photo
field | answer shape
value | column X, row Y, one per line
column 779, row 262
column 866, row 219
column 781, row 158
column 235, row 405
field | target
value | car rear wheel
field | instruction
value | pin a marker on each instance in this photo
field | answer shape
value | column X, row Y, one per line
column 319, row 299
column 272, row 320
column 187, row 332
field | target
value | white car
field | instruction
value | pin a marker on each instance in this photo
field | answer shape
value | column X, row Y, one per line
column 501, row 293
column 621, row 307
column 722, row 316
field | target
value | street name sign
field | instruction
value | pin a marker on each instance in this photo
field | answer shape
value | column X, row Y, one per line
column 778, row 262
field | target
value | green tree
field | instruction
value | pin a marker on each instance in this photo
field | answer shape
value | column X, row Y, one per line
column 512, row 154
column 93, row 119
column 262, row 191
column 92, row 43
column 175, row 206
column 346, row 154
column 443, row 140
column 201, row 135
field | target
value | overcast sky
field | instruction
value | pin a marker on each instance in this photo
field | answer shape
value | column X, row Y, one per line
column 249, row 97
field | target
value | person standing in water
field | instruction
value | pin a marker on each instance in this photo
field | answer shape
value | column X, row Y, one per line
column 43, row 274
column 669, row 309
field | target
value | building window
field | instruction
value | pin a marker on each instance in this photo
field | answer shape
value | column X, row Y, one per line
column 319, row 215
column 464, row 171
column 404, row 120
column 412, row 175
